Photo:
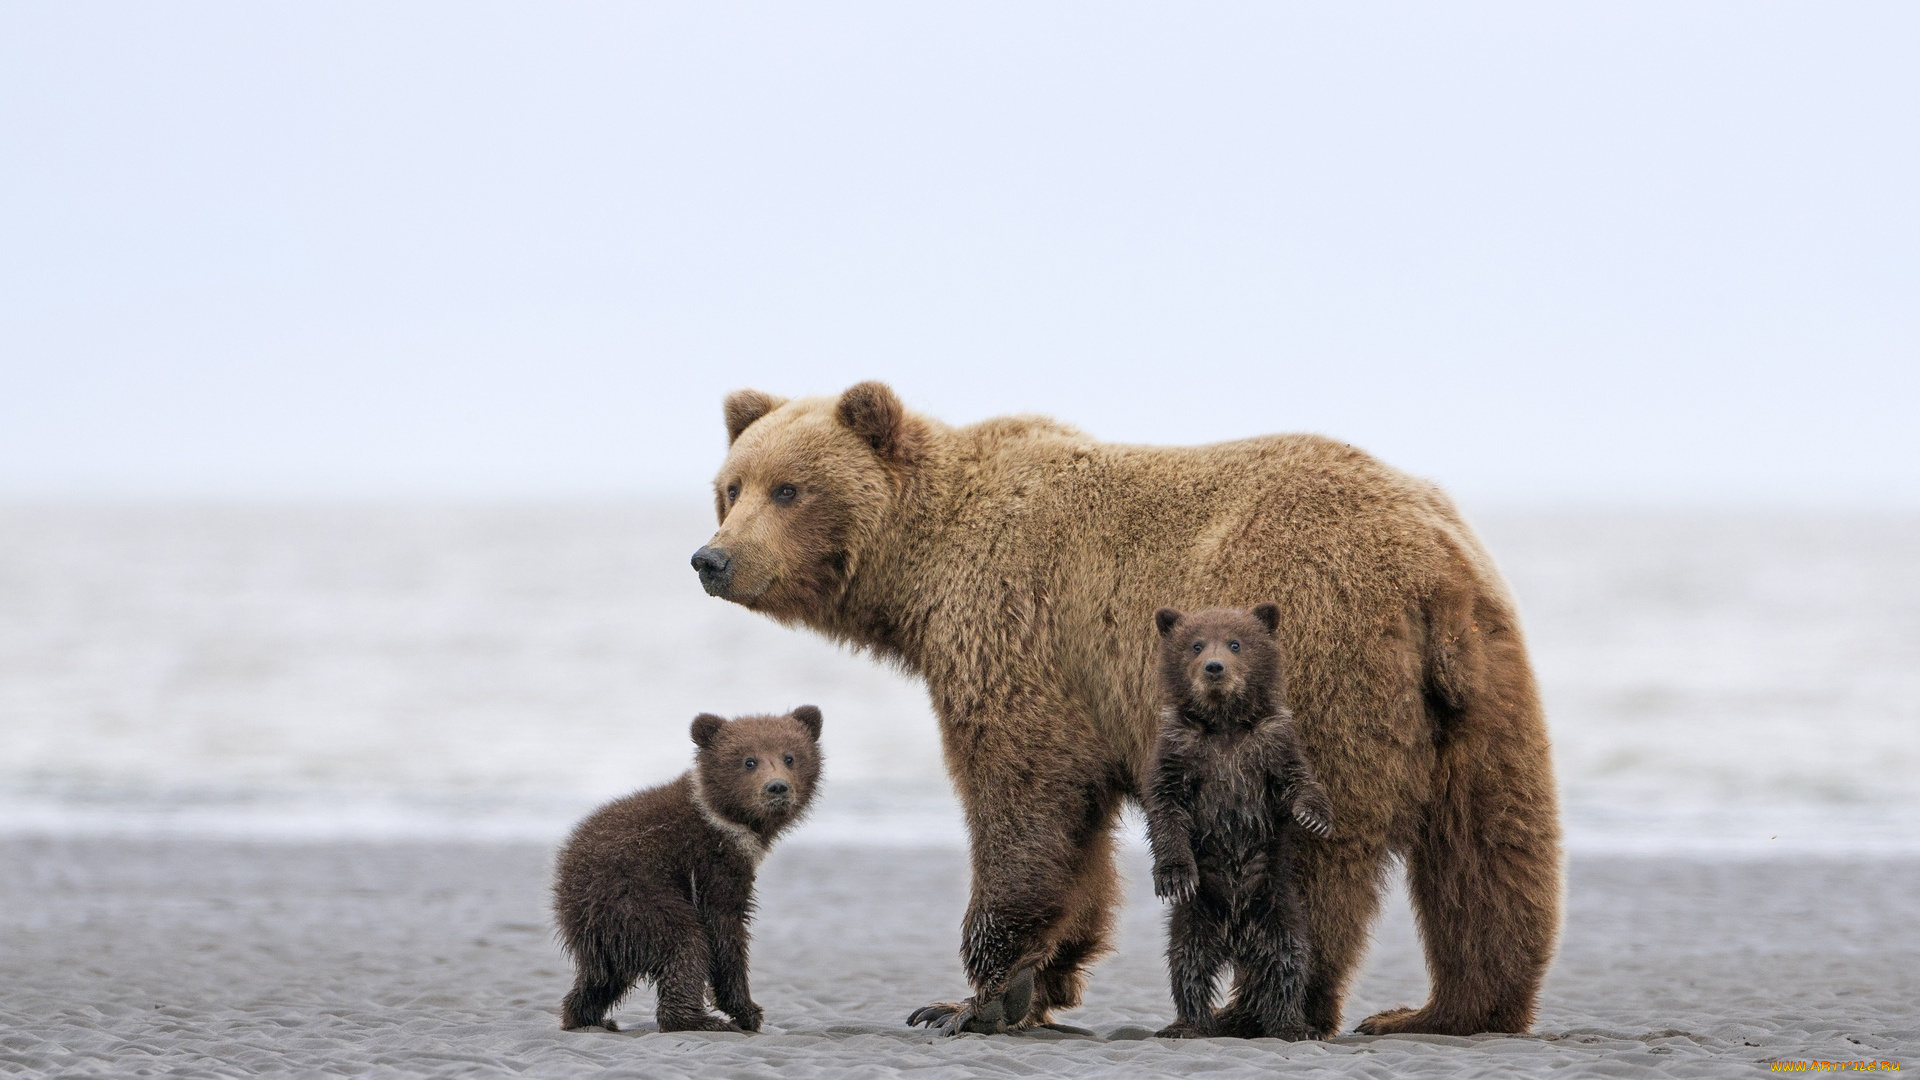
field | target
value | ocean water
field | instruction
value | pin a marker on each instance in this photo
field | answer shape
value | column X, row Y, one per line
column 1724, row 683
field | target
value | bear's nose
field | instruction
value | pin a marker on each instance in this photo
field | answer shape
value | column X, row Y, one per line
column 1215, row 667
column 778, row 787
column 715, row 567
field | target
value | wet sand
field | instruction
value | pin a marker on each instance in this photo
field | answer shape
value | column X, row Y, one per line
column 192, row 957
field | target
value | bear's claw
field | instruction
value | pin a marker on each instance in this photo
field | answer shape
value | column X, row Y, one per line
column 995, row 1016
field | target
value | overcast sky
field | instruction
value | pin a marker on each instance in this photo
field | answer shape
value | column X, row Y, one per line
column 1613, row 252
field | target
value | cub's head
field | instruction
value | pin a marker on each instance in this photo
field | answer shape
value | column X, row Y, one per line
column 805, row 487
column 1220, row 661
column 758, row 771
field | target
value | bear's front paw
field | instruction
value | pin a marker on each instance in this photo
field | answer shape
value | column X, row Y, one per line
column 748, row 1016
column 1176, row 881
column 1185, row 1029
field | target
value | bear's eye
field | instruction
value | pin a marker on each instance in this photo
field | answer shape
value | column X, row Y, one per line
column 1198, row 645
column 751, row 763
column 1233, row 646
column 785, row 493
column 733, row 492
column 789, row 759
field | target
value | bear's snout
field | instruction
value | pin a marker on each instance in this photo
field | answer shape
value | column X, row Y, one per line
column 1215, row 667
column 715, row 568
column 779, row 789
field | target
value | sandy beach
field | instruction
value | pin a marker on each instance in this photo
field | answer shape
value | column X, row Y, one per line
column 204, row 958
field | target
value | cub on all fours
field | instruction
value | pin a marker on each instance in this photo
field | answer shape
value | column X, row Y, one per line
column 1228, row 803
column 659, row 885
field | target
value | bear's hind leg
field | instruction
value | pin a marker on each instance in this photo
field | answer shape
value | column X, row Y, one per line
column 1340, row 883
column 1485, row 871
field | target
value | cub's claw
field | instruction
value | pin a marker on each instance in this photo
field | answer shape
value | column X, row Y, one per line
column 1175, row 882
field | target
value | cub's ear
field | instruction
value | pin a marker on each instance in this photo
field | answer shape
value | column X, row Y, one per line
column 743, row 407
column 1269, row 616
column 872, row 411
column 1165, row 618
column 809, row 717
column 705, row 727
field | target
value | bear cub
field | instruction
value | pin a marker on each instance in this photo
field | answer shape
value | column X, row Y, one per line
column 1228, row 801
column 659, row 885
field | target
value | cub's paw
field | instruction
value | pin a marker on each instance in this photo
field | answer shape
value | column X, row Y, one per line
column 696, row 1023
column 1175, row 881
column 1313, row 810
column 748, row 1016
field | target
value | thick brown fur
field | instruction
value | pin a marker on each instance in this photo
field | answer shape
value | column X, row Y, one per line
column 1014, row 565
column 659, row 885
column 1229, row 802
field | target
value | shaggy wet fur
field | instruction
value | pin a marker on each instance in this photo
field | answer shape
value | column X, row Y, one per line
column 659, row 885
column 1015, row 565
column 1227, row 803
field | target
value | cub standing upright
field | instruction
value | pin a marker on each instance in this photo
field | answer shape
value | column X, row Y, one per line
column 1228, row 802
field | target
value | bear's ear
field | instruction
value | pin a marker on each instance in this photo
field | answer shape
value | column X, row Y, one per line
column 705, row 727
column 1269, row 616
column 1165, row 619
column 809, row 718
column 872, row 411
column 743, row 407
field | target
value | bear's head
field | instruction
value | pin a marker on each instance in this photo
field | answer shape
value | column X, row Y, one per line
column 806, row 486
column 759, row 772
column 1221, row 662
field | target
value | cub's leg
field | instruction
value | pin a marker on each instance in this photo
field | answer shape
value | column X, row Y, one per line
column 1196, row 951
column 1273, row 962
column 681, row 960
column 596, row 989
column 723, row 912
column 606, row 964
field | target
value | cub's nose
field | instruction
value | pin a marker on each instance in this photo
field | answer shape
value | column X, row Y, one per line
column 715, row 568
column 1215, row 667
column 778, row 787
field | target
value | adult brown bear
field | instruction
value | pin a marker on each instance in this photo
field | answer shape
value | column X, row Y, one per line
column 1015, row 565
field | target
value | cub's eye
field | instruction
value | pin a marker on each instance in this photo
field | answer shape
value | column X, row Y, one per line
column 1233, row 646
column 751, row 763
column 785, row 493
column 789, row 759
column 733, row 492
column 1197, row 646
